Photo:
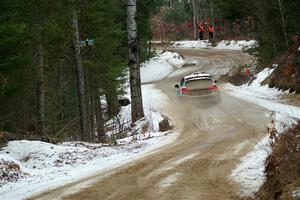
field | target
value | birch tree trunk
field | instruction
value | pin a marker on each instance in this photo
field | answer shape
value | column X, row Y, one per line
column 137, row 111
column 84, row 119
column 99, row 118
column 40, row 88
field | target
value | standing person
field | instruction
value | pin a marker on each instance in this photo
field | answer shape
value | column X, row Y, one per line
column 201, row 31
column 211, row 31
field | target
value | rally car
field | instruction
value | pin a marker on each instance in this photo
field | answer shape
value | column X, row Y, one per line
column 197, row 84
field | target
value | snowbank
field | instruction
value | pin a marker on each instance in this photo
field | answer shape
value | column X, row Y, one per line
column 11, row 170
column 157, row 68
column 160, row 66
column 263, row 95
column 250, row 172
column 153, row 102
column 224, row 44
column 236, row 45
column 46, row 166
column 198, row 44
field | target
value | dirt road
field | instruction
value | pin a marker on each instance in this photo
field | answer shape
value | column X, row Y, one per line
column 214, row 135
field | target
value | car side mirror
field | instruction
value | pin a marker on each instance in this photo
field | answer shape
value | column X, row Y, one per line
column 176, row 86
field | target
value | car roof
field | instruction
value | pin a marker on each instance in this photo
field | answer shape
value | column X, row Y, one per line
column 198, row 75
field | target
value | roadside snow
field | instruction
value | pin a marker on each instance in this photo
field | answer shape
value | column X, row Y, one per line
column 296, row 193
column 39, row 166
column 153, row 102
column 250, row 172
column 160, row 66
column 224, row 44
column 198, row 44
column 180, row 71
column 11, row 170
column 263, row 95
column 49, row 166
column 157, row 68
column 236, row 45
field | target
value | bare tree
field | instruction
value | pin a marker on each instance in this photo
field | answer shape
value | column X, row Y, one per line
column 212, row 16
column 194, row 19
column 283, row 22
column 137, row 111
column 83, row 111
column 40, row 87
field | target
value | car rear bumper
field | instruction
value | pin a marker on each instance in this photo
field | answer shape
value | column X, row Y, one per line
column 191, row 96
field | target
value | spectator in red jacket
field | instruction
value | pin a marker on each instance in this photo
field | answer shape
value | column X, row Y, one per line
column 201, row 30
column 211, row 31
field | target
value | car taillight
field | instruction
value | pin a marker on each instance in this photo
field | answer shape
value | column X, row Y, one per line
column 184, row 90
column 213, row 87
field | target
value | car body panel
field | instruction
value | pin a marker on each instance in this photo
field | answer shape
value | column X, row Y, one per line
column 197, row 85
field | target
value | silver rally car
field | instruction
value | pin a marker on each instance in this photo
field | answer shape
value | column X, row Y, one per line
column 197, row 84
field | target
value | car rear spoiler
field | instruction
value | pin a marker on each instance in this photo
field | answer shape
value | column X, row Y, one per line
column 199, row 78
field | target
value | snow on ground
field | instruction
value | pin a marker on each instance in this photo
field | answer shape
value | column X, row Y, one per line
column 250, row 172
column 263, row 95
column 30, row 167
column 170, row 180
column 224, row 44
column 236, row 45
column 157, row 68
column 198, row 44
column 160, row 66
column 48, row 166
column 11, row 170
column 153, row 102
column 296, row 193
column 181, row 71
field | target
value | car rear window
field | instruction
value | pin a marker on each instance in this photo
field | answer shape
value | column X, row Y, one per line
column 198, row 83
